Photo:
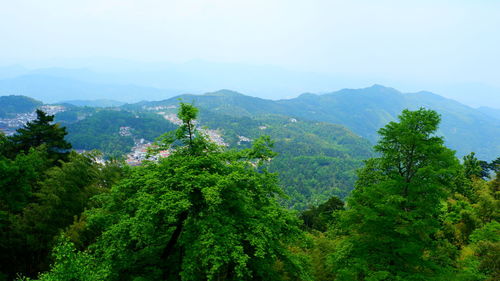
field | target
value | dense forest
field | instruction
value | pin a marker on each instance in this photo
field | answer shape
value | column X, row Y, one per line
column 208, row 212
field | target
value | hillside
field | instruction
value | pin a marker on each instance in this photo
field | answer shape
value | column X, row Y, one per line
column 101, row 130
column 491, row 112
column 223, row 101
column 364, row 111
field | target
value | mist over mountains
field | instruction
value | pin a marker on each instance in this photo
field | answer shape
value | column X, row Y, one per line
column 129, row 81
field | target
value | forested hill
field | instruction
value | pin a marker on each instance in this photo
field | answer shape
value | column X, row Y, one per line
column 363, row 111
column 11, row 105
column 224, row 101
column 366, row 110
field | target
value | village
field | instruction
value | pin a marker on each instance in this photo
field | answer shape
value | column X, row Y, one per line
column 145, row 150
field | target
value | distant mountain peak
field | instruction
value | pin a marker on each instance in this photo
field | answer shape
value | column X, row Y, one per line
column 95, row 103
column 307, row 95
column 379, row 86
column 382, row 88
column 376, row 89
column 428, row 94
column 224, row 92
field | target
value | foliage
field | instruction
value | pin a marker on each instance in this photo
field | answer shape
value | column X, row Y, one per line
column 42, row 131
column 211, row 213
column 42, row 188
column 393, row 214
column 319, row 218
column 200, row 214
column 472, row 166
column 315, row 161
column 46, row 201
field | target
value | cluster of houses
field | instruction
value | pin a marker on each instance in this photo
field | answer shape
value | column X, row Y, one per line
column 142, row 148
column 143, row 151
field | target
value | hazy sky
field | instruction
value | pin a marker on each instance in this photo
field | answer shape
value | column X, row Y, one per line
column 418, row 42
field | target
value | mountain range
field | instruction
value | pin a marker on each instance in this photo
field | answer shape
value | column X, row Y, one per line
column 161, row 80
column 363, row 111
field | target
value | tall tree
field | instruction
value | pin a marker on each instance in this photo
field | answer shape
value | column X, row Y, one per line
column 42, row 131
column 200, row 214
column 393, row 213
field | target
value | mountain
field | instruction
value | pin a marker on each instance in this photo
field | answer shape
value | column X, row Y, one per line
column 94, row 103
column 11, row 105
column 265, row 81
column 12, row 71
column 54, row 89
column 363, row 111
column 223, row 101
column 491, row 112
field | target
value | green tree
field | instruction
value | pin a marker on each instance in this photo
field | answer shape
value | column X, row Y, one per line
column 42, row 131
column 472, row 166
column 201, row 214
column 3, row 143
column 392, row 216
column 320, row 217
column 18, row 178
column 480, row 260
column 38, row 202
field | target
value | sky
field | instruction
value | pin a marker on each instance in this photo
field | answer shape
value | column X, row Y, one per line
column 440, row 45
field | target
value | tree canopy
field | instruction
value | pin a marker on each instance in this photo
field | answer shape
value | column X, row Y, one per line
column 208, row 212
column 393, row 213
column 203, row 213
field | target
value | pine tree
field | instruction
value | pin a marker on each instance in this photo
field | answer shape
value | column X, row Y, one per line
column 42, row 132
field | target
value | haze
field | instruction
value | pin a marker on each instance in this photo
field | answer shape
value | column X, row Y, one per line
column 448, row 47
